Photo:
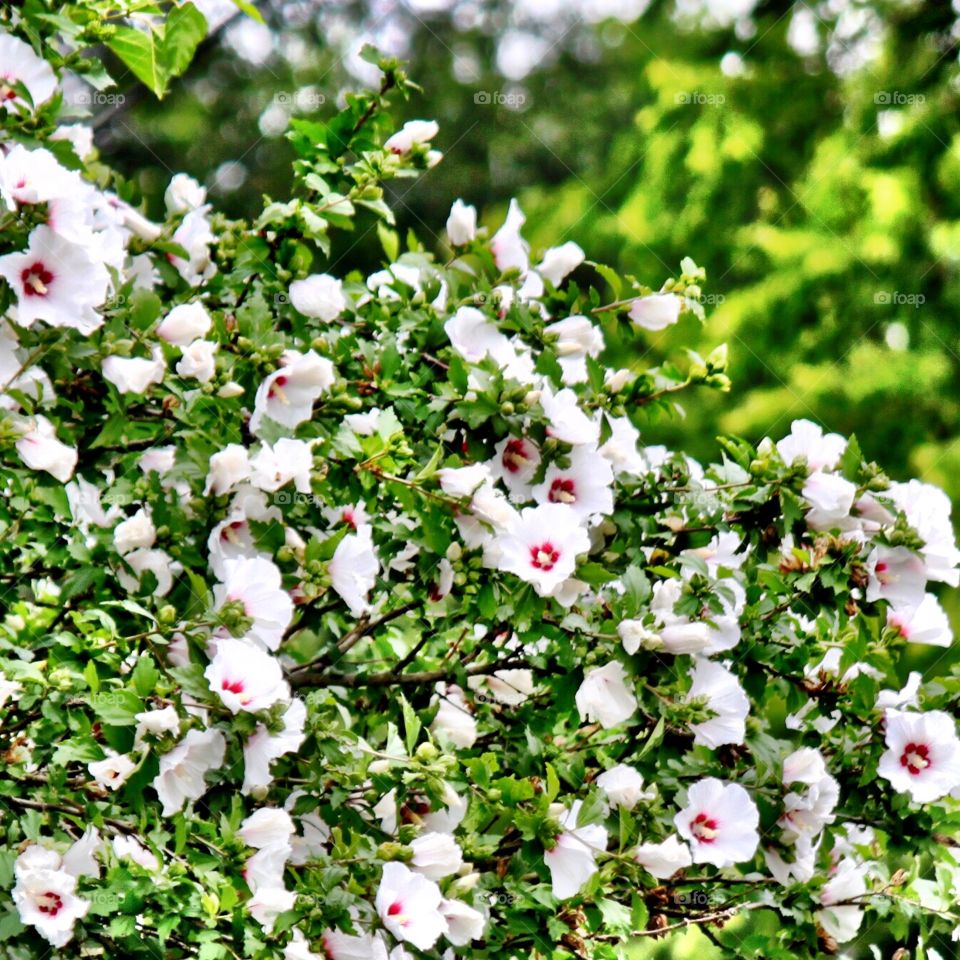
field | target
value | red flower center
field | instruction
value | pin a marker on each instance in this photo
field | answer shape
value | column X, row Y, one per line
column 915, row 757
column 234, row 686
column 704, row 828
column 36, row 280
column 563, row 490
column 50, row 903
column 515, row 456
column 394, row 909
column 544, row 556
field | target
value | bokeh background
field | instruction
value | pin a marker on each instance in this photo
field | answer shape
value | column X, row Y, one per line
column 806, row 154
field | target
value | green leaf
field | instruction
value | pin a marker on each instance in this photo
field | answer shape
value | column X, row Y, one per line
column 411, row 724
column 389, row 240
column 249, row 9
column 186, row 27
column 145, row 676
column 138, row 50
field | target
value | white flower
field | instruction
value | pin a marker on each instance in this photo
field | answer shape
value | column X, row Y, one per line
column 621, row 448
column 604, row 696
column 664, row 859
column 927, row 509
column 184, row 194
column 288, row 459
column 256, row 584
column 45, row 894
column 287, row 396
column 354, row 569
column 196, row 237
column 130, row 847
column 830, row 497
column 807, row 813
column 40, row 449
column 320, row 296
column 413, row 132
column 725, row 698
column 227, row 468
column 634, row 635
column 266, row 827
column 623, row 786
column 34, row 176
column 656, row 311
column 897, row 575
column 461, row 224
column 184, row 324
column 158, row 562
column 719, row 822
column 135, row 532
column 515, row 462
column 56, row 281
column 585, row 486
column 509, row 687
column 925, row 623
column 560, row 261
column 409, row 906
column 572, row 860
column 464, row 924
column 155, row 723
column 842, row 920
column 198, row 360
column 134, row 374
column 475, row 337
column 542, row 545
column 19, row 64
column 923, row 754
column 567, row 421
column 454, row 722
column 246, row 677
column 509, row 248
column 263, row 747
column 113, row 771
column 901, row 699
column 804, row 765
column 8, row 689
column 808, row 441
column 436, row 855
column 182, row 770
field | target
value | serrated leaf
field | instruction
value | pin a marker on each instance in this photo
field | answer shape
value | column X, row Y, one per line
column 138, row 50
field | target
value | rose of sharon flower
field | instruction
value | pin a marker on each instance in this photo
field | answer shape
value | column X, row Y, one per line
column 320, row 296
column 808, row 441
column 664, row 859
column 461, row 224
column 287, row 396
column 542, row 545
column 40, row 449
column 572, row 860
column 183, row 769
column 411, row 133
column 246, row 677
column 656, row 311
column 923, row 754
column 353, row 570
column 56, row 281
column 436, row 855
column 134, row 374
column 256, row 584
column 409, row 906
column 719, row 822
column 623, row 786
column 585, row 486
column 604, row 696
column 19, row 64
column 45, row 895
column 184, row 324
column 263, row 747
column 725, row 698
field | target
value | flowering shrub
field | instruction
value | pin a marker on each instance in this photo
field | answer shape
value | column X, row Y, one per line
column 348, row 616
